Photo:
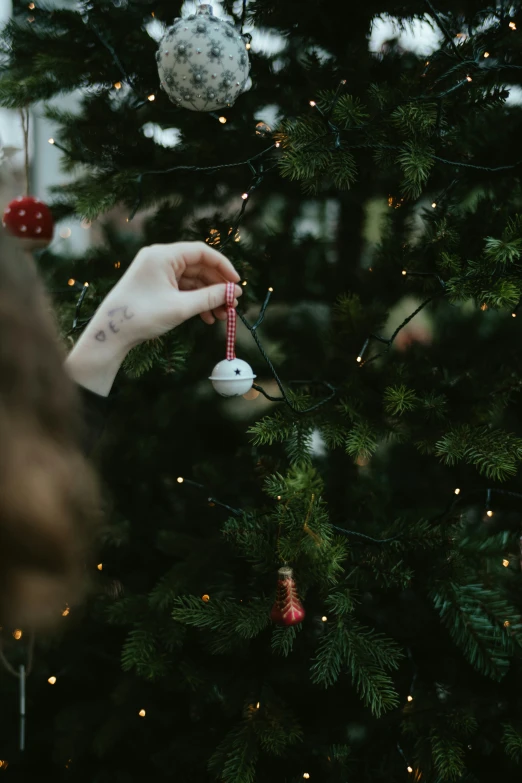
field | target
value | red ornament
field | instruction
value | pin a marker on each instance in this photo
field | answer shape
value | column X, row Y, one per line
column 287, row 609
column 29, row 220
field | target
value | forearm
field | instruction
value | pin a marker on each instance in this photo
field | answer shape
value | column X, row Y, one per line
column 97, row 356
column 163, row 287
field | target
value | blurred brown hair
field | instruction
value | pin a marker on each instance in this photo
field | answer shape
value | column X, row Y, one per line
column 48, row 496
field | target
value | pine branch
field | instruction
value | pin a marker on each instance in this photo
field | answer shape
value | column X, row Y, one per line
column 361, row 441
column 234, row 761
column 448, row 756
column 494, row 453
column 283, row 639
column 512, row 742
column 367, row 655
column 140, row 653
column 482, row 624
column 227, row 617
column 399, row 399
column 276, row 728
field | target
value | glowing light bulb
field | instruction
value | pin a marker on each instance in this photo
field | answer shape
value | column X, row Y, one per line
column 51, row 680
column 513, row 315
column 251, row 394
column 409, row 769
column 507, row 624
column 489, row 512
column 404, row 273
column 31, row 6
column 244, row 196
column 505, row 562
column 469, row 79
column 180, row 479
column 359, row 359
column 66, row 612
column 117, row 85
column 483, row 306
column 486, row 54
column 151, row 97
column 222, row 120
column 324, row 618
column 410, row 697
column 65, row 233
column 117, row 264
column 86, row 285
column 278, row 143
column 270, row 289
column 279, row 497
column 248, row 46
column 51, row 141
column 17, row 633
column 142, row 713
column 245, row 282
column 306, row 775
column 258, row 705
column 434, row 204
column 71, row 281
column 512, row 25
column 100, row 566
column 457, row 490
column 312, row 103
column 205, row 598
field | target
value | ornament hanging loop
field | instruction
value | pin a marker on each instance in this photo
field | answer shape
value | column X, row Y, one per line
column 230, row 299
column 24, row 117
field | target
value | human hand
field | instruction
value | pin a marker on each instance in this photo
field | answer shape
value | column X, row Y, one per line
column 164, row 286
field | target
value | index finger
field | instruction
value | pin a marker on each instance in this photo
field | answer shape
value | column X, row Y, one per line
column 194, row 253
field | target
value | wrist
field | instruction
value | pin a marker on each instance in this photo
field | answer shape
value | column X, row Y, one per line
column 97, row 356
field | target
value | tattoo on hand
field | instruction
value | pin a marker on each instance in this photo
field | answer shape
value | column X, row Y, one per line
column 100, row 336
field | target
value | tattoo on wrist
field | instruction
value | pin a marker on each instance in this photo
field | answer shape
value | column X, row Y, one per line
column 125, row 315
column 118, row 315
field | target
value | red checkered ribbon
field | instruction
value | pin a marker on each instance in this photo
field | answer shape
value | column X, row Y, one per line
column 230, row 296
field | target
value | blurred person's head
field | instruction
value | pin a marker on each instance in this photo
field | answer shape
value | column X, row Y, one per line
column 48, row 497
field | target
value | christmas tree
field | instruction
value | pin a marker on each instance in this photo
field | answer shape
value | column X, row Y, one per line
column 366, row 186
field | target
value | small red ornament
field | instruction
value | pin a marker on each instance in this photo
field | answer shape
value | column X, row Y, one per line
column 29, row 220
column 287, row 609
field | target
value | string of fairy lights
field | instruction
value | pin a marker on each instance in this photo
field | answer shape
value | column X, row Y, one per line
column 25, row 669
column 459, row 498
column 259, row 174
column 258, row 171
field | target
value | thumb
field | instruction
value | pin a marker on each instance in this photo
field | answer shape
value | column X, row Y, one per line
column 206, row 299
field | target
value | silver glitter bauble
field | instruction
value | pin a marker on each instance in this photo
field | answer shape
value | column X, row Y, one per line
column 203, row 62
